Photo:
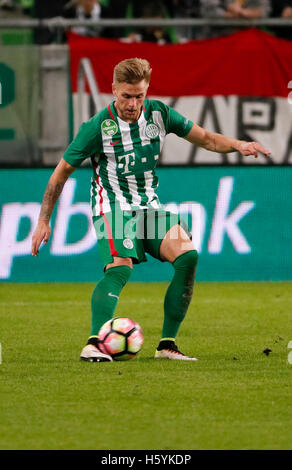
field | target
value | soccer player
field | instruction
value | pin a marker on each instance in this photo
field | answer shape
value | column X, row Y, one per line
column 124, row 141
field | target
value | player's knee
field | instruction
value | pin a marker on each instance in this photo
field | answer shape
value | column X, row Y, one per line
column 192, row 257
column 189, row 259
column 118, row 261
column 119, row 274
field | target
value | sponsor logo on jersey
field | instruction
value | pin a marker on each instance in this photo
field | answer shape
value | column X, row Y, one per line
column 109, row 127
column 128, row 243
column 152, row 131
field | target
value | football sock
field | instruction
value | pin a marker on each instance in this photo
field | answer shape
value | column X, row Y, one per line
column 106, row 295
column 179, row 293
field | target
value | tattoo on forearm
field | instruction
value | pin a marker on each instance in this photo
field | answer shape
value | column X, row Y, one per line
column 49, row 200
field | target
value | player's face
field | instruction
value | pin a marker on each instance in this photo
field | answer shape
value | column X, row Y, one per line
column 129, row 99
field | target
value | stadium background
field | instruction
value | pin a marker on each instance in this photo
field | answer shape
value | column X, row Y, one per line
column 239, row 210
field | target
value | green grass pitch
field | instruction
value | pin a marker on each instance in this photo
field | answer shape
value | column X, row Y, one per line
column 234, row 397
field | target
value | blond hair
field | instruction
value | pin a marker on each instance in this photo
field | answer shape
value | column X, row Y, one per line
column 132, row 71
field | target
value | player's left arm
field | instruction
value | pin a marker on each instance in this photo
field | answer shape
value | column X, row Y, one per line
column 222, row 144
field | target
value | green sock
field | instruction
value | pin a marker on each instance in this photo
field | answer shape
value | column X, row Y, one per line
column 179, row 293
column 106, row 295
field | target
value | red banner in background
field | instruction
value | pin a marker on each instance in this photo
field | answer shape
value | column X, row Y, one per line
column 248, row 63
column 238, row 85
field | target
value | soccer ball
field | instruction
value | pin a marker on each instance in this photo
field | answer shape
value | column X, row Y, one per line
column 121, row 338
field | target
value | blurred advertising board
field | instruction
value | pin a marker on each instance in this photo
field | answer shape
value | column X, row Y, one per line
column 240, row 219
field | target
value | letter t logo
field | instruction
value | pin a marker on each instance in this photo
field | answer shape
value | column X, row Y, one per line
column 125, row 161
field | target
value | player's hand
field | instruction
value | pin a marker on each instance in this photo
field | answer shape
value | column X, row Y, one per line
column 41, row 234
column 252, row 148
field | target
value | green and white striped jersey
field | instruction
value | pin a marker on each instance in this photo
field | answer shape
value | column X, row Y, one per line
column 124, row 155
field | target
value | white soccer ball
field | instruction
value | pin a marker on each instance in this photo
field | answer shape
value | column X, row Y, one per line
column 121, row 338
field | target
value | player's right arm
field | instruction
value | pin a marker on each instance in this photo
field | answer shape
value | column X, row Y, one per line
column 85, row 144
column 53, row 190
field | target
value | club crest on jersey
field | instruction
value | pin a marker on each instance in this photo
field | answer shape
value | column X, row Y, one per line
column 152, row 131
column 109, row 127
column 128, row 243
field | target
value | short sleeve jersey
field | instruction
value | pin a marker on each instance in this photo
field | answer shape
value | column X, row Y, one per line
column 124, row 155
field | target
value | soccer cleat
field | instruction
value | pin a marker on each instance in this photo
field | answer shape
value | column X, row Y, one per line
column 169, row 350
column 91, row 353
